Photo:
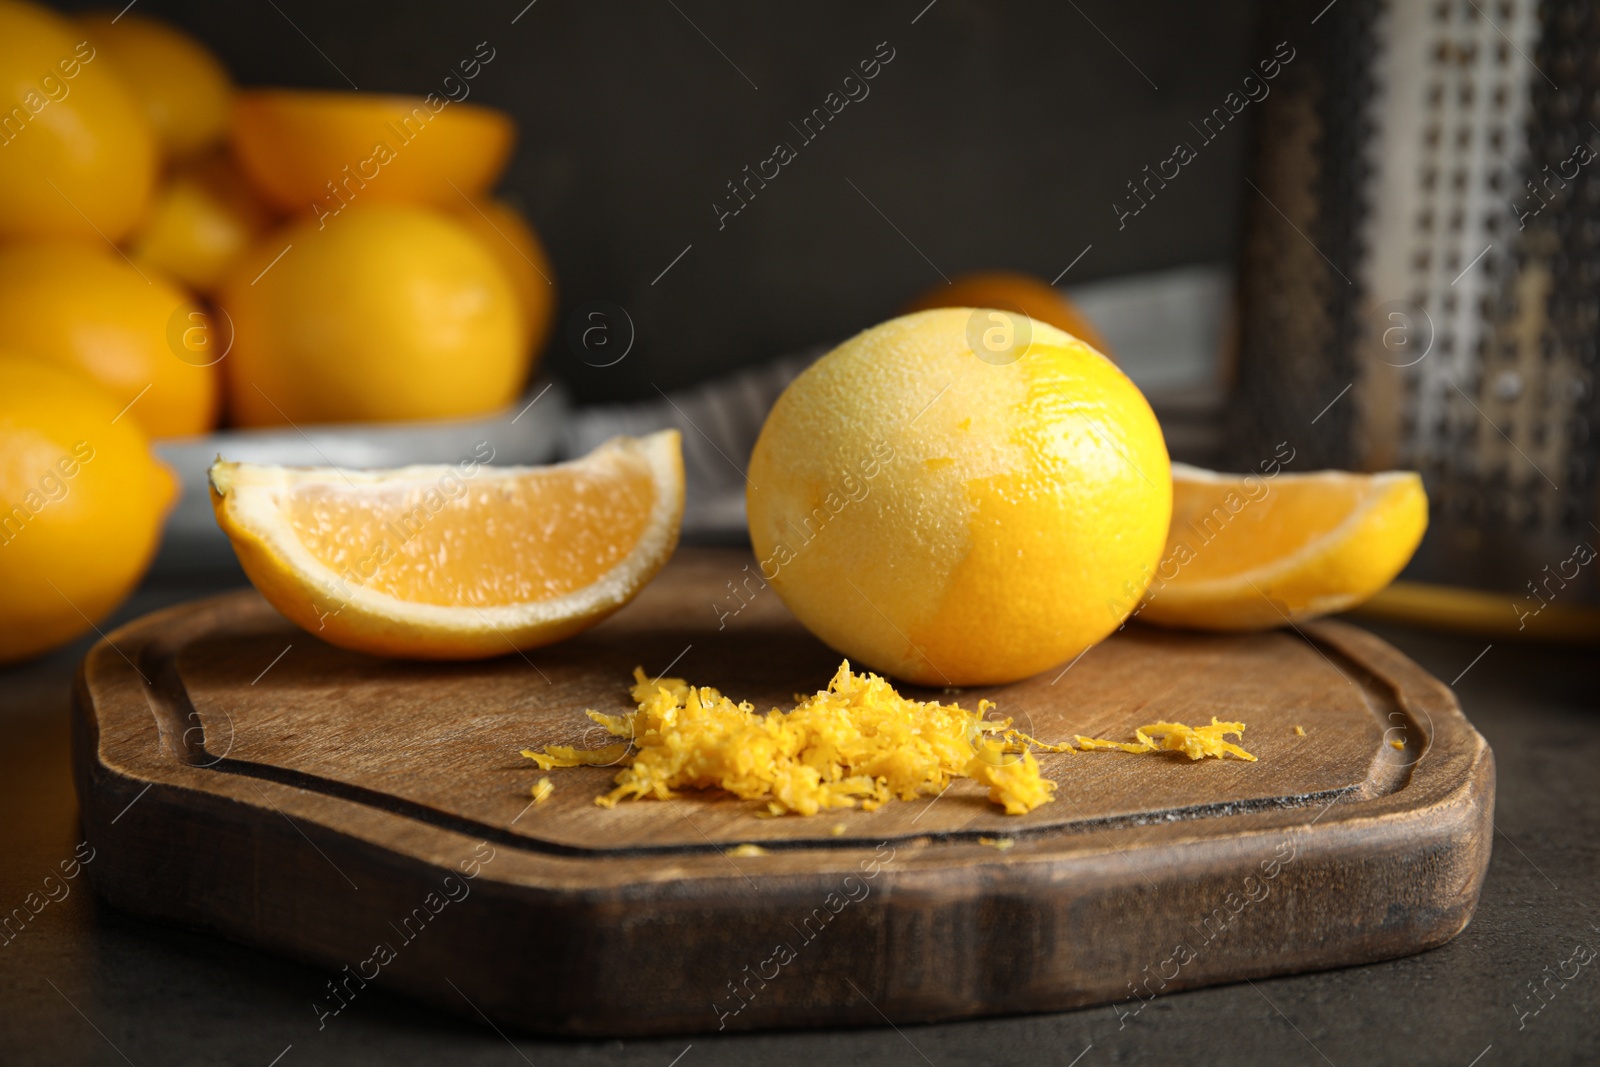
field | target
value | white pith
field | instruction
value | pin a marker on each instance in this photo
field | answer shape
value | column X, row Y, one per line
column 255, row 496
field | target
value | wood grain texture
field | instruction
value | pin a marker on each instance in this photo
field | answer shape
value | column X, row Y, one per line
column 328, row 806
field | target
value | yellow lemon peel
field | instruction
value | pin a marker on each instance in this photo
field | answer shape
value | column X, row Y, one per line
column 858, row 741
column 1196, row 742
column 565, row 756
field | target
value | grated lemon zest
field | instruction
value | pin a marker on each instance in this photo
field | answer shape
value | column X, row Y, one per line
column 542, row 790
column 1196, row 742
column 747, row 850
column 856, row 742
column 564, row 756
column 997, row 843
column 1013, row 783
column 1299, row 731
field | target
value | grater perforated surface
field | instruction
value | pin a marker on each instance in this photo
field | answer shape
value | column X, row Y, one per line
column 1418, row 285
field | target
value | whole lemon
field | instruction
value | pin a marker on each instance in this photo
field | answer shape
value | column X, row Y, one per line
column 202, row 219
column 77, row 157
column 183, row 90
column 517, row 248
column 386, row 312
column 957, row 502
column 81, row 506
column 143, row 339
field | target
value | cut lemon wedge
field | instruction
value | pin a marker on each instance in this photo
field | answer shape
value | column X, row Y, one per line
column 459, row 561
column 1248, row 552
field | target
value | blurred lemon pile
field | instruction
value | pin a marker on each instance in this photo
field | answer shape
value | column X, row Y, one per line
column 176, row 254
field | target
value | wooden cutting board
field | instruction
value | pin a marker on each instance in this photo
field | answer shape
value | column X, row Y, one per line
column 372, row 817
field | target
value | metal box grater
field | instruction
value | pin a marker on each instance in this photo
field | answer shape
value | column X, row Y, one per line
column 1420, row 275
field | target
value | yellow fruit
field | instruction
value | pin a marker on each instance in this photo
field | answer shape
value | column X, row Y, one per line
column 77, row 158
column 146, row 342
column 516, row 247
column 1248, row 552
column 1011, row 291
column 202, row 220
column 317, row 151
column 455, row 562
column 81, row 506
column 184, row 91
column 957, row 520
column 389, row 312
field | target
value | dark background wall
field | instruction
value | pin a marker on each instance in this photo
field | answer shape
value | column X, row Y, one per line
column 998, row 137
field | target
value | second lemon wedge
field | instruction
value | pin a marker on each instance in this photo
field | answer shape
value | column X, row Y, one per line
column 1246, row 552
column 458, row 561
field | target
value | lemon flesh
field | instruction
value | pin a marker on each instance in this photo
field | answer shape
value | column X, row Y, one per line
column 1247, row 552
column 460, row 561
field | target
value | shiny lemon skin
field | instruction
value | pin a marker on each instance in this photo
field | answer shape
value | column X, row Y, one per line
column 145, row 340
column 183, row 90
column 390, row 312
column 77, row 156
column 81, row 505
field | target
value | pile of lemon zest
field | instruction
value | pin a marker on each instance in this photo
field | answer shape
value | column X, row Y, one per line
column 542, row 790
column 565, row 756
column 1299, row 731
column 837, row 830
column 1196, row 742
column 747, row 850
column 999, row 843
column 858, row 742
column 1398, row 743
column 1012, row 777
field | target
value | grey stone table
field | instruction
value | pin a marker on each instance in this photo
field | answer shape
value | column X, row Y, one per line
column 84, row 984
